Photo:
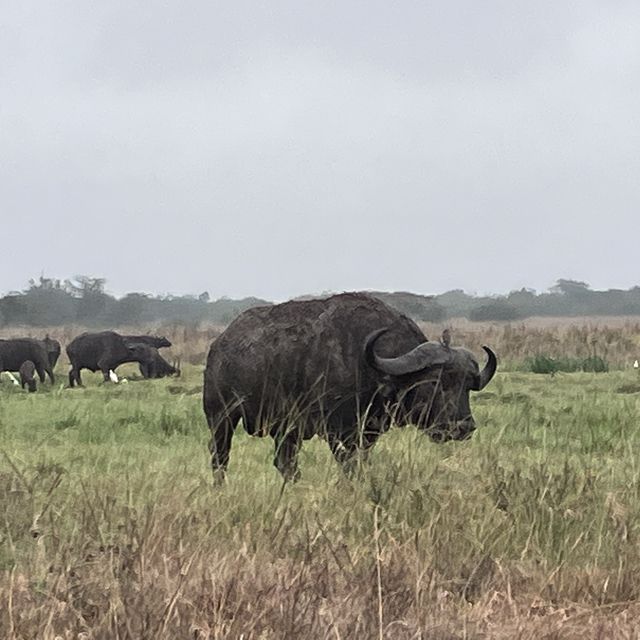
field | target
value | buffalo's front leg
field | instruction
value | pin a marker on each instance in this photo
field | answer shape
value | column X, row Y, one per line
column 74, row 377
column 286, row 455
column 222, row 424
column 41, row 373
column 105, row 367
column 220, row 448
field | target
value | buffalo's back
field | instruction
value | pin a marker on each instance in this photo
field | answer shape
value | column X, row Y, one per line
column 296, row 346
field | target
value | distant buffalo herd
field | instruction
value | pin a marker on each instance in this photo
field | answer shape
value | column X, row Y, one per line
column 103, row 351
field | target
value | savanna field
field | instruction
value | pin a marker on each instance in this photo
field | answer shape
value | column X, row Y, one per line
column 111, row 527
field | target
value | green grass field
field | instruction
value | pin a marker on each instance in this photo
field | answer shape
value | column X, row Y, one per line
column 110, row 525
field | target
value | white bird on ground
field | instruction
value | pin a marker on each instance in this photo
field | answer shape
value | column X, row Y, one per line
column 112, row 376
column 636, row 365
column 12, row 378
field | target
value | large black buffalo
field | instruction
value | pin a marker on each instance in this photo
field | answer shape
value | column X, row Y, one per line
column 103, row 351
column 344, row 368
column 16, row 351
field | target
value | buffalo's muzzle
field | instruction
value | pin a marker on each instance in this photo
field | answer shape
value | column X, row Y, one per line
column 460, row 430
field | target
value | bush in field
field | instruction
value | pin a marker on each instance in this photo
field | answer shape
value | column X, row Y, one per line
column 541, row 364
column 595, row 364
column 545, row 364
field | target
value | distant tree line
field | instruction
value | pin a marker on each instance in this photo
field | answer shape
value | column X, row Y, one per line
column 83, row 300
column 565, row 298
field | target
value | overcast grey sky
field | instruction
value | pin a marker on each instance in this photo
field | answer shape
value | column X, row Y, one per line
column 277, row 148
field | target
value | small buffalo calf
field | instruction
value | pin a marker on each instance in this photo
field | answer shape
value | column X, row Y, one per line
column 27, row 371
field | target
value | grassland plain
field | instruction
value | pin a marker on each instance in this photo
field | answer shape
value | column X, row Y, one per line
column 110, row 526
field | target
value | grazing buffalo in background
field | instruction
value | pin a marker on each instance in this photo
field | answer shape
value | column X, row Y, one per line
column 154, row 365
column 15, row 351
column 27, row 379
column 153, row 341
column 344, row 368
column 103, row 351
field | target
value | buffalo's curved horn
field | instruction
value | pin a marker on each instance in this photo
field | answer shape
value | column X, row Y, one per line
column 488, row 372
column 424, row 356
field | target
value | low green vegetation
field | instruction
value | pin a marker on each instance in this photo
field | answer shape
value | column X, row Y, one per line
column 110, row 525
column 547, row 364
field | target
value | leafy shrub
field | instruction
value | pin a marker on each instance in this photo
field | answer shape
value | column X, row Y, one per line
column 544, row 364
column 595, row 364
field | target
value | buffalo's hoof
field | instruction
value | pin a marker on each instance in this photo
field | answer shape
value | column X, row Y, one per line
column 291, row 475
column 219, row 478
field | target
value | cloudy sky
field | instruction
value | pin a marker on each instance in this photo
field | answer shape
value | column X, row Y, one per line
column 276, row 148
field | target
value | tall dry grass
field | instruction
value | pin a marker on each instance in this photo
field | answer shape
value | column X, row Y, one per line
column 615, row 339
column 110, row 526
